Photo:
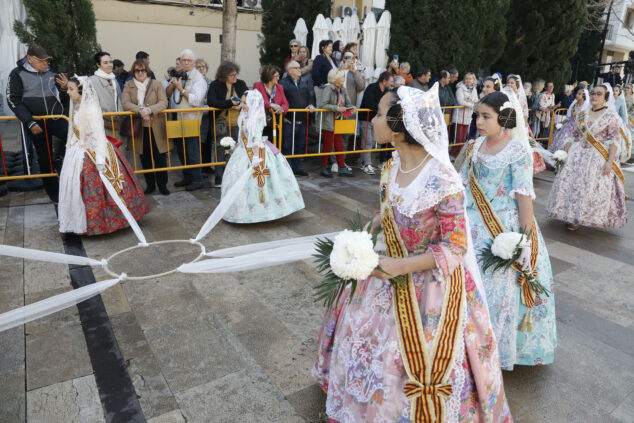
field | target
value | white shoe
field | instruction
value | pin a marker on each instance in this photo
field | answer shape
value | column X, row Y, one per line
column 334, row 168
column 374, row 169
column 367, row 169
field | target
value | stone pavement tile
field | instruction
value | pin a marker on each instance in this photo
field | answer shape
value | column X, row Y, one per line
column 4, row 212
column 12, row 351
column 12, row 397
column 75, row 401
column 559, row 265
column 115, row 301
column 237, row 397
column 191, row 212
column 174, row 416
column 607, row 294
column 522, row 414
column 157, row 302
column 36, row 197
column 56, row 356
column 192, row 351
column 62, row 319
column 625, row 411
column 11, row 284
column 14, row 229
column 585, row 259
column 162, row 225
column 154, row 395
column 587, row 381
column 282, row 356
column 16, row 199
column 41, row 232
column 154, row 259
column 309, row 402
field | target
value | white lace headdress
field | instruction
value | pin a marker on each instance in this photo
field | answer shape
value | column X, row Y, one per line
column 253, row 121
column 584, row 106
column 611, row 103
column 424, row 120
column 87, row 118
column 520, row 132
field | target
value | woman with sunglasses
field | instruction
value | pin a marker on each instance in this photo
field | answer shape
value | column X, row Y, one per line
column 589, row 189
column 147, row 98
column 294, row 46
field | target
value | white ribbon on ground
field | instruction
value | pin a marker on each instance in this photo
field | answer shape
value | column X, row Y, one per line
column 225, row 203
column 30, row 254
column 256, row 260
column 115, row 196
column 267, row 246
column 51, row 305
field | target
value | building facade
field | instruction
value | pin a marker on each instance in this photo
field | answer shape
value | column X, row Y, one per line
column 163, row 28
column 620, row 37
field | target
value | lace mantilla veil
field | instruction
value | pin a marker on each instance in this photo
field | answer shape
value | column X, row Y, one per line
column 425, row 122
column 253, row 121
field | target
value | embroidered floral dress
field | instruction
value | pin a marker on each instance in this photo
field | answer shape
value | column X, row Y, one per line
column 500, row 177
column 565, row 133
column 581, row 194
column 80, row 183
column 359, row 361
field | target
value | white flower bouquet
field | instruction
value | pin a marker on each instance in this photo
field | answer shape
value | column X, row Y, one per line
column 345, row 261
column 560, row 157
column 558, row 126
column 505, row 250
column 228, row 144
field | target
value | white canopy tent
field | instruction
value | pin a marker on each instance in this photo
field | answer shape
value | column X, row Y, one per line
column 382, row 42
column 301, row 31
column 337, row 29
column 320, row 32
column 11, row 49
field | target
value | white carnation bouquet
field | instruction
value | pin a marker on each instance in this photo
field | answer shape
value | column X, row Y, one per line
column 505, row 250
column 560, row 157
column 345, row 261
column 228, row 144
column 558, row 126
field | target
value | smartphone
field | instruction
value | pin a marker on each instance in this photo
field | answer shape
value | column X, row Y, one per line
column 235, row 98
column 395, row 57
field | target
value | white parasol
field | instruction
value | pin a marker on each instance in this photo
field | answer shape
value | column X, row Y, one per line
column 338, row 30
column 353, row 29
column 320, row 32
column 301, row 31
column 382, row 40
column 10, row 46
column 368, row 44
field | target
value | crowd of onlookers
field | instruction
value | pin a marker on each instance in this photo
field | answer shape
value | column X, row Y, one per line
column 335, row 80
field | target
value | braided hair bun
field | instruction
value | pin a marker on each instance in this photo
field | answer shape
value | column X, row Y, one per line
column 500, row 103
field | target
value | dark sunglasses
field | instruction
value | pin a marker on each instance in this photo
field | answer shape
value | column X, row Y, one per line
column 140, row 71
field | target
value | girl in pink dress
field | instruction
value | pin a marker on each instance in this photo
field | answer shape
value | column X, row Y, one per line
column 365, row 363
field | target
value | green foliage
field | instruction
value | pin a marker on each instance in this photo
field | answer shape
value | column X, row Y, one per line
column 541, row 37
column 278, row 21
column 466, row 34
column 66, row 29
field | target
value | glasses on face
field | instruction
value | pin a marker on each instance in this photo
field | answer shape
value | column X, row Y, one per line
column 140, row 71
column 348, row 57
column 231, row 75
column 293, row 45
column 293, row 67
column 200, row 67
column 596, row 93
column 277, row 75
column 186, row 60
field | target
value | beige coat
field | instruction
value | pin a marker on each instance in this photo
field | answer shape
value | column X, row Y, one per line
column 156, row 100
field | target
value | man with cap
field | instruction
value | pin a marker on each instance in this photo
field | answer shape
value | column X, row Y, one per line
column 34, row 89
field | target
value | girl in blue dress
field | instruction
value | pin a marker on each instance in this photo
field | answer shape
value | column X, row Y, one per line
column 501, row 163
column 271, row 192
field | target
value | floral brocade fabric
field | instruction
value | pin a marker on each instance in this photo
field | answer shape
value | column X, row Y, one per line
column 359, row 361
column 102, row 213
column 581, row 194
column 501, row 177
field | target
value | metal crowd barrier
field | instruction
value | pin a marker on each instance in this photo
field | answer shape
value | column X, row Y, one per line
column 178, row 130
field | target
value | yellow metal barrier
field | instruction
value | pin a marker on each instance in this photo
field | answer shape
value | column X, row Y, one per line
column 182, row 129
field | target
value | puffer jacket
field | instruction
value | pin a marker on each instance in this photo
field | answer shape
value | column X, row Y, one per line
column 31, row 93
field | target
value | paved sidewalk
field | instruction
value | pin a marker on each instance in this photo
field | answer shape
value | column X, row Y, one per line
column 239, row 347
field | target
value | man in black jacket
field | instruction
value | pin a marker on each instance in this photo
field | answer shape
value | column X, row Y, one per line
column 371, row 98
column 34, row 89
column 299, row 96
column 224, row 93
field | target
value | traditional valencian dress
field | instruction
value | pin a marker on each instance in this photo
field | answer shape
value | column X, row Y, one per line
column 400, row 352
column 85, row 206
column 581, row 194
column 272, row 192
column 526, row 335
column 564, row 134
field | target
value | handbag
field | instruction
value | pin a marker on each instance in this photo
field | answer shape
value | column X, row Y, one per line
column 222, row 129
column 131, row 126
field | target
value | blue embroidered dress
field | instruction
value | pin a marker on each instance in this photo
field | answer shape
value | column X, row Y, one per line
column 501, row 176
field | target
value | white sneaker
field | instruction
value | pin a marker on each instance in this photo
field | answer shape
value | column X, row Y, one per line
column 334, row 167
column 374, row 169
column 367, row 169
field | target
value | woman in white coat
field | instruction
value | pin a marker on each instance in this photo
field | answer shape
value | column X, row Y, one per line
column 466, row 95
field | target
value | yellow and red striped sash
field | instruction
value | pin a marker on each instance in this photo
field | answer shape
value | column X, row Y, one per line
column 260, row 172
column 428, row 386
column 585, row 131
column 495, row 227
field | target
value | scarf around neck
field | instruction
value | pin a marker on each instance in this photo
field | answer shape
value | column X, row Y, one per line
column 141, row 90
column 110, row 77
